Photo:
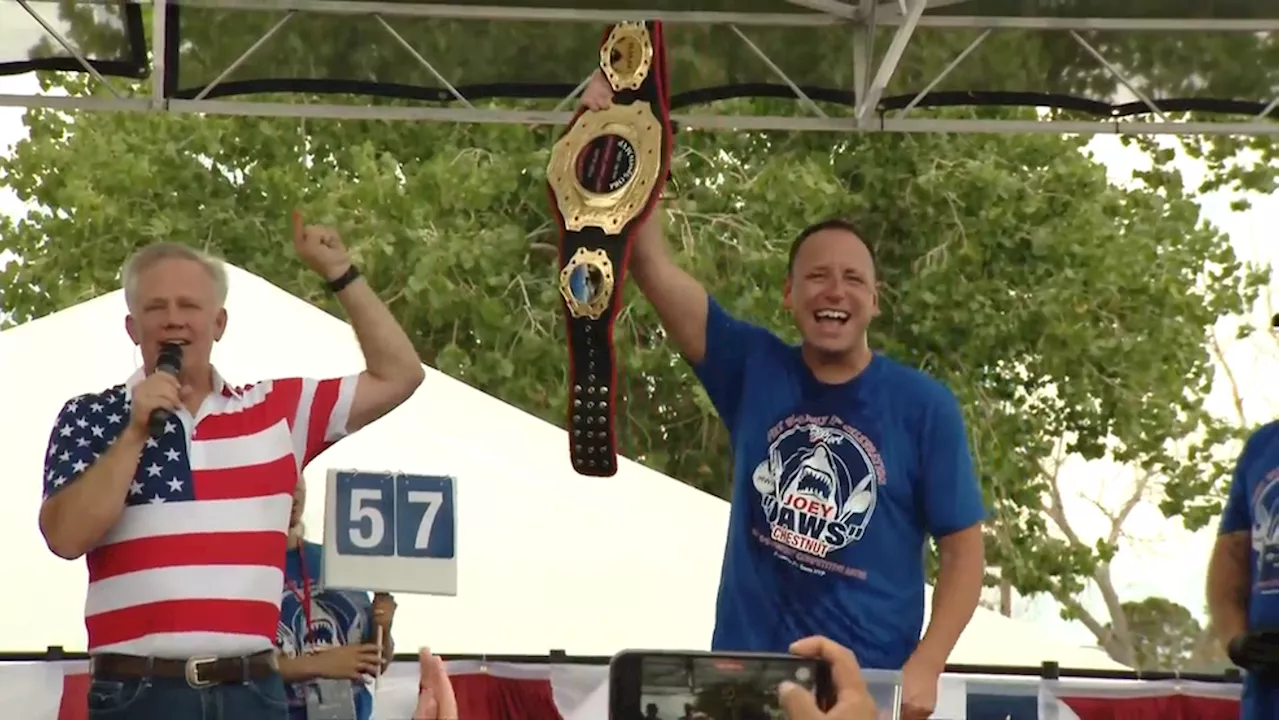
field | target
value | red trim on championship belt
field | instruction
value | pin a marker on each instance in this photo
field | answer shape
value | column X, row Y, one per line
column 605, row 176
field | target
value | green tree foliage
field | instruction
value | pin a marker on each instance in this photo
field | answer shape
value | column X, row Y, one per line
column 1054, row 303
column 1163, row 635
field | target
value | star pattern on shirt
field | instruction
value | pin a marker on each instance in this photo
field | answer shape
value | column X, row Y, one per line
column 88, row 425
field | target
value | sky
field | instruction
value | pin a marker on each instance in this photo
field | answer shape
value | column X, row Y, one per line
column 1154, row 543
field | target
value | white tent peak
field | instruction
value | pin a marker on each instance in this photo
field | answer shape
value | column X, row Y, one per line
column 548, row 559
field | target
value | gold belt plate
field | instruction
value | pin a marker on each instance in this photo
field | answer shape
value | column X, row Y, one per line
column 627, row 56
column 605, row 168
column 586, row 283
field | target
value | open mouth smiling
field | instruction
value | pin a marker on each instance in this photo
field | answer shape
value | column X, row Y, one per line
column 831, row 317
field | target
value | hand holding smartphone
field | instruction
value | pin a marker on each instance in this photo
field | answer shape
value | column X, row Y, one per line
column 669, row 685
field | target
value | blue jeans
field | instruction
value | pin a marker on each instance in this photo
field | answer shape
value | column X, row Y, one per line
column 172, row 699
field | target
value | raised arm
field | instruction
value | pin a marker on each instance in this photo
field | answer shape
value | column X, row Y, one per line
column 680, row 300
column 392, row 367
column 716, row 344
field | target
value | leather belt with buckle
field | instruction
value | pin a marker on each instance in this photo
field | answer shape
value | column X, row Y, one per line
column 605, row 174
column 197, row 671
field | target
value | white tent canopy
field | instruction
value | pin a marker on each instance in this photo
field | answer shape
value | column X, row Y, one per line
column 548, row 559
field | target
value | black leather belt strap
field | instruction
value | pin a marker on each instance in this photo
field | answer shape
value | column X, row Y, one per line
column 605, row 175
column 198, row 672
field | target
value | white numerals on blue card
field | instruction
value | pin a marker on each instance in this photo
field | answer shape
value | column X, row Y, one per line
column 366, row 514
column 424, row 516
column 391, row 532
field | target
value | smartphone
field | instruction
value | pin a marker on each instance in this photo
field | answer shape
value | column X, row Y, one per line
column 669, row 685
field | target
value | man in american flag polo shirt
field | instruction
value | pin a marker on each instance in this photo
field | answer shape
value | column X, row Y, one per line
column 184, row 530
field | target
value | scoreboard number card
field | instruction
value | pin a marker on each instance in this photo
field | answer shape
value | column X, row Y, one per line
column 391, row 532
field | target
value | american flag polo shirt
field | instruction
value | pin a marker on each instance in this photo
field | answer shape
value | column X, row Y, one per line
column 195, row 563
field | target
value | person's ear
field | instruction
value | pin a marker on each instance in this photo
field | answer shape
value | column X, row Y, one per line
column 132, row 328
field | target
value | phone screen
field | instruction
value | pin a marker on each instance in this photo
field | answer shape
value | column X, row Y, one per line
column 712, row 687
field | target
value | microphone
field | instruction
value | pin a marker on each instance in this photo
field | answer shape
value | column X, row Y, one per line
column 170, row 361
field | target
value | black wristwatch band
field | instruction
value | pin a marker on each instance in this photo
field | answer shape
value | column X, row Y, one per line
column 339, row 283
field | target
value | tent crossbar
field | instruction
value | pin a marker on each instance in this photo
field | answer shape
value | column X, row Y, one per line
column 864, row 39
column 862, row 17
column 1267, row 110
column 719, row 122
column 526, row 14
column 159, row 43
column 66, row 45
column 782, row 75
column 1270, row 108
column 423, row 62
column 955, row 63
column 76, row 103
column 831, row 7
column 889, row 63
column 1158, row 25
column 706, row 122
column 1119, row 75
column 832, row 13
column 244, row 56
column 575, row 93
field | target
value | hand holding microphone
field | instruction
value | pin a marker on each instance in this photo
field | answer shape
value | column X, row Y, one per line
column 157, row 397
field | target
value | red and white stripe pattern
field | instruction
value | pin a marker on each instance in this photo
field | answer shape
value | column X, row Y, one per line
column 1088, row 699
column 194, row 565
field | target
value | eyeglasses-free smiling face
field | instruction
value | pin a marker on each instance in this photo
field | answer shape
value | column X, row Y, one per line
column 832, row 293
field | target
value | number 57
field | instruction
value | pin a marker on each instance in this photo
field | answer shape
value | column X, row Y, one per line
column 412, row 520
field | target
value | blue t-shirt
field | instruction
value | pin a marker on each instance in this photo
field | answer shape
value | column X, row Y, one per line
column 835, row 488
column 338, row 617
column 1251, row 505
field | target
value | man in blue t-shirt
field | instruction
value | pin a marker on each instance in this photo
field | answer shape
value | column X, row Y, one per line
column 1242, row 573
column 845, row 461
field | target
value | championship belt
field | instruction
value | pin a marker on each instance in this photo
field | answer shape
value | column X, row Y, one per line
column 606, row 173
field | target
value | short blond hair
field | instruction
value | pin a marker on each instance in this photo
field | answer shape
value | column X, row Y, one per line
column 145, row 257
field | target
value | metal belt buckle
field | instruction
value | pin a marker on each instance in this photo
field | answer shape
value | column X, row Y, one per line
column 626, row 56
column 586, row 283
column 193, row 671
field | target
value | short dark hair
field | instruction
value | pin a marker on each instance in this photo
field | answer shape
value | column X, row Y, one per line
column 828, row 224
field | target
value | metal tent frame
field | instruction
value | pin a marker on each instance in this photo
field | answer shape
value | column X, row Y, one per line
column 872, row 75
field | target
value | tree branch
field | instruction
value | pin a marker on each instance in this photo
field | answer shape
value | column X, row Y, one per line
column 1135, row 497
column 1085, row 617
column 1054, row 508
column 1237, row 402
column 1117, row 639
column 1121, row 652
column 1121, row 640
